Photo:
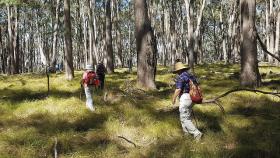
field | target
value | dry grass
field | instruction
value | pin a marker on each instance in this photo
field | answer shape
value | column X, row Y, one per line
column 30, row 121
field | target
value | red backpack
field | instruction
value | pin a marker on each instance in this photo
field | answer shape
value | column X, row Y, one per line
column 195, row 92
column 91, row 79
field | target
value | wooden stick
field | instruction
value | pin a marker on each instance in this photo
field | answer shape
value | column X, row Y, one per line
column 128, row 141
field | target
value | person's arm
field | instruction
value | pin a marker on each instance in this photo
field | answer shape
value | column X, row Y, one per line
column 83, row 78
column 175, row 95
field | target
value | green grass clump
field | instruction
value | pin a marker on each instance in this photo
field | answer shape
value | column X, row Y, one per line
column 31, row 121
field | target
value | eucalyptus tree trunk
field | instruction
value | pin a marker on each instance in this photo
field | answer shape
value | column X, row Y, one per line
column 16, row 41
column 232, row 14
column 39, row 43
column 54, row 44
column 189, row 9
column 271, row 31
column 93, row 57
column 163, row 34
column 173, row 34
column 145, row 46
column 12, row 38
column 266, row 27
column 68, row 42
column 79, row 35
column 85, row 33
column 119, row 35
column 224, row 49
column 109, row 46
column 277, row 38
column 2, row 67
column 250, row 75
column 197, row 37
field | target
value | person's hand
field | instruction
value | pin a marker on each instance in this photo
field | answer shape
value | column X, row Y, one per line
column 173, row 101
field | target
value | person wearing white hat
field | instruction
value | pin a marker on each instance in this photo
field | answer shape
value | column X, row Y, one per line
column 185, row 107
column 89, row 80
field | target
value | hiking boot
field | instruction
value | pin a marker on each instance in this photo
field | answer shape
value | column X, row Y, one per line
column 92, row 109
column 198, row 137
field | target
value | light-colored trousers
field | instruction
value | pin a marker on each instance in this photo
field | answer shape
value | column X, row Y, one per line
column 89, row 101
column 185, row 109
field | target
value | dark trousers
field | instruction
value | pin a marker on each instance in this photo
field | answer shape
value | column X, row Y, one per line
column 101, row 78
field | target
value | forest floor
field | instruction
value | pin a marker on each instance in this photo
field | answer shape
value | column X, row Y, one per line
column 131, row 123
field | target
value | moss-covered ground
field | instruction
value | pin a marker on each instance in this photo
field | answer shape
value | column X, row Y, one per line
column 30, row 122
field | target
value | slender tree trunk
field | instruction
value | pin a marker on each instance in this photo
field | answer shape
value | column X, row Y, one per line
column 277, row 38
column 173, row 34
column 54, row 44
column 12, row 40
column 130, row 64
column 16, row 41
column 92, row 43
column 249, row 64
column 109, row 46
column 266, row 26
column 79, row 33
column 271, row 31
column 85, row 33
column 1, row 52
column 225, row 55
column 163, row 35
column 231, row 32
column 189, row 8
column 119, row 35
column 145, row 46
column 68, row 42
column 197, row 36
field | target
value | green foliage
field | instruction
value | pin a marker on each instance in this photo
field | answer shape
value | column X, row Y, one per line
column 30, row 121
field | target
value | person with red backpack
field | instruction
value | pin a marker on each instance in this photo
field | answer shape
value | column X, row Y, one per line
column 188, row 93
column 89, row 81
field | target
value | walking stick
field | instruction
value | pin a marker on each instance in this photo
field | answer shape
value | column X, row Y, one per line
column 194, row 118
column 81, row 91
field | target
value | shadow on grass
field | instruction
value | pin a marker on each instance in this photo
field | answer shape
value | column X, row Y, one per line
column 16, row 96
column 51, row 124
column 273, row 84
column 262, row 137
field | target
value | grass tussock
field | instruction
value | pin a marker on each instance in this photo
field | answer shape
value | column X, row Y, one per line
column 31, row 121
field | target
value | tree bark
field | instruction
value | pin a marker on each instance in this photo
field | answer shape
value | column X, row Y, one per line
column 271, row 31
column 173, row 34
column 85, row 34
column 145, row 46
column 277, row 37
column 68, row 42
column 250, row 75
column 109, row 46
column 1, row 52
column 189, row 9
column 225, row 55
column 93, row 57
column 119, row 36
column 197, row 37
column 54, row 44
column 12, row 39
column 266, row 26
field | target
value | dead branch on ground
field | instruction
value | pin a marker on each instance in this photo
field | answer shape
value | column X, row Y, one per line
column 217, row 102
column 129, row 141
